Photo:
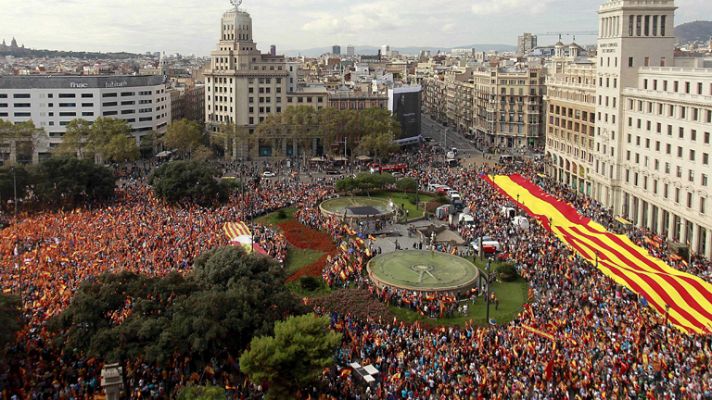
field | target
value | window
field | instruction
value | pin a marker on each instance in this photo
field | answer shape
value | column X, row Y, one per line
column 67, row 95
column 87, row 95
column 87, row 114
column 630, row 62
column 21, row 96
column 110, row 104
column 67, row 114
column 692, row 155
column 22, row 114
column 109, row 95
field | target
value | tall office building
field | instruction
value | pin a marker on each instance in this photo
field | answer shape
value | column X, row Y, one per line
column 632, row 34
column 243, row 86
column 351, row 50
column 526, row 43
column 336, row 50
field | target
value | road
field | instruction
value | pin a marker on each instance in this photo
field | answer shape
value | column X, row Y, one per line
column 446, row 137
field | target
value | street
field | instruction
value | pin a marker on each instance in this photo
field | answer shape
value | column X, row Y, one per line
column 446, row 137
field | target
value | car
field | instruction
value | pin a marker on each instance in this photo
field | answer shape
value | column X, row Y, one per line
column 333, row 172
column 428, row 139
column 268, row 174
column 489, row 245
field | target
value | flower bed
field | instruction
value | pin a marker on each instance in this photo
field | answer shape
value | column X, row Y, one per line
column 304, row 237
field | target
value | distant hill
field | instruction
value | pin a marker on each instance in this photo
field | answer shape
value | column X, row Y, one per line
column 373, row 50
column 20, row 52
column 697, row 31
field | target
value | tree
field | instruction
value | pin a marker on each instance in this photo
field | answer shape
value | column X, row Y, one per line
column 76, row 139
column 188, row 181
column 407, row 185
column 201, row 393
column 227, row 299
column 121, row 148
column 10, row 319
column 378, row 145
column 103, row 130
column 346, row 185
column 22, row 138
column 184, row 136
column 104, row 139
column 293, row 358
column 10, row 180
column 71, row 182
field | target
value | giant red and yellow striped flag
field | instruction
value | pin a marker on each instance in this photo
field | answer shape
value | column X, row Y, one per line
column 685, row 299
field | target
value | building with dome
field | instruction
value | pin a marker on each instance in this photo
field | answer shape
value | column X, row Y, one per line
column 244, row 86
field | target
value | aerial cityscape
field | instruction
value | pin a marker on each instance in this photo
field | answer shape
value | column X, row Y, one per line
column 243, row 200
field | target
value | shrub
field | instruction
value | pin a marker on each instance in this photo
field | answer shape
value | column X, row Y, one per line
column 506, row 272
column 309, row 283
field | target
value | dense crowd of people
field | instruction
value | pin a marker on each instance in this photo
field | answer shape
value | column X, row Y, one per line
column 582, row 335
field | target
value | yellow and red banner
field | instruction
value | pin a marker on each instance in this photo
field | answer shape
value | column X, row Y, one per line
column 684, row 299
column 239, row 234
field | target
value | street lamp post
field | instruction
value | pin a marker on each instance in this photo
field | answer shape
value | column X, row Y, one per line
column 14, row 187
column 489, row 281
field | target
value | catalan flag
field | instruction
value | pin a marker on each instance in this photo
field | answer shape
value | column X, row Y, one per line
column 685, row 299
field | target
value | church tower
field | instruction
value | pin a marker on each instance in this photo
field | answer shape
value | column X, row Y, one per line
column 632, row 34
column 163, row 64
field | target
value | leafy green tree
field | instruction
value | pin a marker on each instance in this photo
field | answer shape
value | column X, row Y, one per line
column 346, row 185
column 184, row 136
column 121, row 148
column 293, row 358
column 367, row 182
column 76, row 139
column 10, row 319
column 105, row 139
column 103, row 131
column 378, row 145
column 71, row 182
column 22, row 140
column 9, row 180
column 201, row 393
column 188, row 181
column 227, row 299
column 407, row 185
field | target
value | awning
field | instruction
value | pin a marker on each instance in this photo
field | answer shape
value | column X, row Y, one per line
column 364, row 158
column 340, row 159
column 317, row 159
column 623, row 221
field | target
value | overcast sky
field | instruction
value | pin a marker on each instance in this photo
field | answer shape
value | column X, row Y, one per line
column 192, row 26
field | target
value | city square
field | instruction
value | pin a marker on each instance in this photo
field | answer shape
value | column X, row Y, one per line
column 530, row 222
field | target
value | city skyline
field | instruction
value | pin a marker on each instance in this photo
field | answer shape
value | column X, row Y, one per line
column 189, row 28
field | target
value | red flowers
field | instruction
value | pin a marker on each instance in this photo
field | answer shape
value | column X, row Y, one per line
column 303, row 237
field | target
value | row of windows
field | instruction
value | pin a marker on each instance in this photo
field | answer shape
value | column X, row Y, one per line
column 686, row 113
column 676, row 193
column 681, row 132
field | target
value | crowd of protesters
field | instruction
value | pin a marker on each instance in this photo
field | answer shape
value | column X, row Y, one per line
column 582, row 335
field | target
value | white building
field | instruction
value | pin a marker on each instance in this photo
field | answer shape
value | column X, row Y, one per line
column 243, row 86
column 666, row 154
column 653, row 120
column 50, row 102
